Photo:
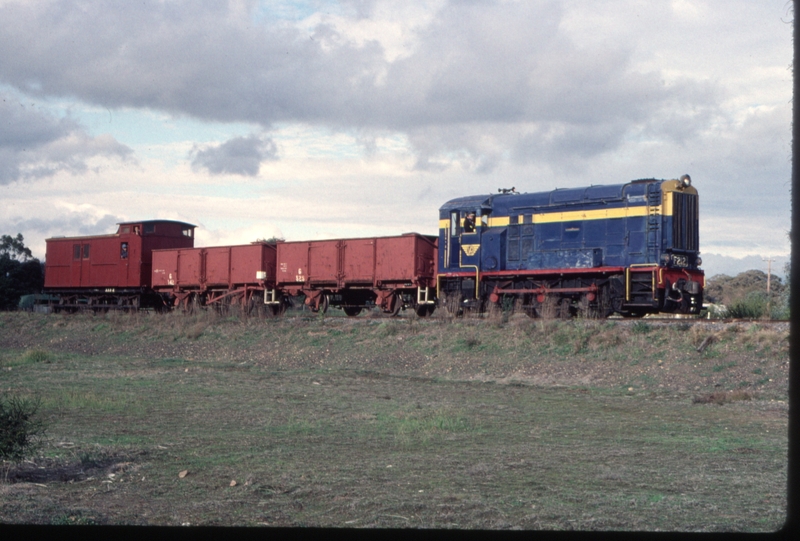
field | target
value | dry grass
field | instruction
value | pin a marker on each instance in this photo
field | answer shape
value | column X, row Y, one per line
column 724, row 397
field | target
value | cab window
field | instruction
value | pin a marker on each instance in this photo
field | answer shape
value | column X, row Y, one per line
column 469, row 222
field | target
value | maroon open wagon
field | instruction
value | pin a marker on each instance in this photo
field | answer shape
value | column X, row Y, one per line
column 390, row 272
column 110, row 271
column 219, row 276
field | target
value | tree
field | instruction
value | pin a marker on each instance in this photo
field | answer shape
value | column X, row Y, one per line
column 20, row 272
column 14, row 248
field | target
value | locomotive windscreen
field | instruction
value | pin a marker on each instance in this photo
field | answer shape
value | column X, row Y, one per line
column 684, row 221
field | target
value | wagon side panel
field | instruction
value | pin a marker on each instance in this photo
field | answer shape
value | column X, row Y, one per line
column 323, row 262
column 218, row 266
column 247, row 261
column 292, row 263
column 358, row 261
column 190, row 268
column 165, row 269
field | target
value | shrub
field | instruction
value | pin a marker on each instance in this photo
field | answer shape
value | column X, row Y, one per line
column 21, row 428
column 752, row 306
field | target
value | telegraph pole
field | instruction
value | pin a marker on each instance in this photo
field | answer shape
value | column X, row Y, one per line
column 769, row 261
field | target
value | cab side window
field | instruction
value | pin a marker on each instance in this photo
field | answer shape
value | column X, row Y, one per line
column 123, row 250
column 454, row 223
column 469, row 222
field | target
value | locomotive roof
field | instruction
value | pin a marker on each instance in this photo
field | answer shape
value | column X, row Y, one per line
column 563, row 196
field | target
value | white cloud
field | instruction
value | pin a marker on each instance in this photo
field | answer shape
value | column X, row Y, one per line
column 380, row 111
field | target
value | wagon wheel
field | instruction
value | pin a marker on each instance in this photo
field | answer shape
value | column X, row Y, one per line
column 323, row 305
column 223, row 307
column 424, row 310
column 256, row 307
column 397, row 305
column 192, row 304
column 276, row 310
column 351, row 311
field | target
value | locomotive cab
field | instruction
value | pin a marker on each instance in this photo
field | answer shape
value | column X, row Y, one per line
column 463, row 247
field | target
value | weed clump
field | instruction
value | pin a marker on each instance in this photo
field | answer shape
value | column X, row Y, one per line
column 33, row 356
column 21, row 427
column 641, row 327
column 723, row 397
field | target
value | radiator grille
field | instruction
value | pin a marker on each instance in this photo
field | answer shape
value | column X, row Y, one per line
column 684, row 222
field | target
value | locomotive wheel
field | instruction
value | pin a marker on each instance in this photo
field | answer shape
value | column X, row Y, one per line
column 550, row 308
column 452, row 304
column 530, row 306
column 564, row 308
column 351, row 311
column 585, row 308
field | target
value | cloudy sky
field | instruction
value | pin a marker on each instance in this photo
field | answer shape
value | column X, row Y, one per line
column 319, row 119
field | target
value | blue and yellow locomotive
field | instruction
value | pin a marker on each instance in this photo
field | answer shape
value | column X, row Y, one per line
column 628, row 248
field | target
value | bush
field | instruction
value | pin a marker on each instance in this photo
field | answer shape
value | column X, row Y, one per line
column 752, row 306
column 21, row 428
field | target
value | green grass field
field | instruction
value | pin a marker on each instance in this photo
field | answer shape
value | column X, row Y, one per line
column 373, row 423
